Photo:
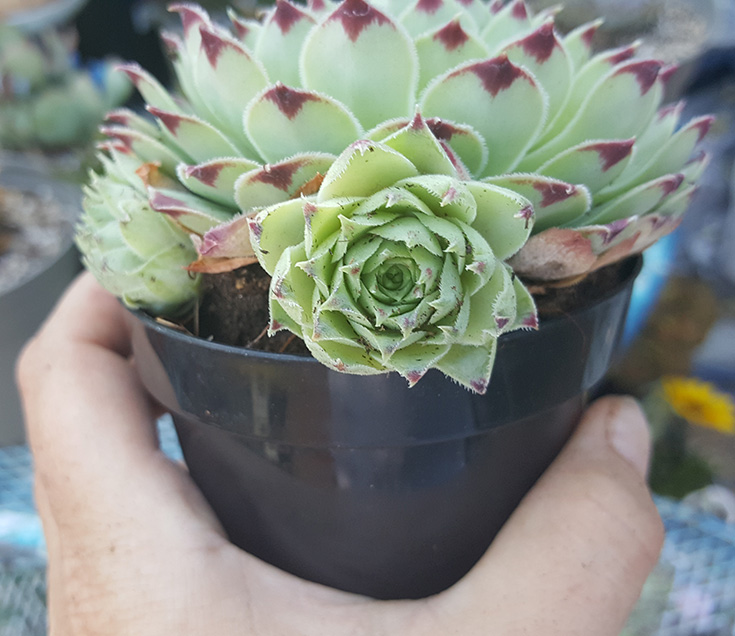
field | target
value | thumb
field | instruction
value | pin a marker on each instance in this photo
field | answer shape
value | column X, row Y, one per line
column 582, row 543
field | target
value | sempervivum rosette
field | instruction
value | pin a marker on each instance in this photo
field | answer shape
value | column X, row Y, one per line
column 396, row 263
column 268, row 105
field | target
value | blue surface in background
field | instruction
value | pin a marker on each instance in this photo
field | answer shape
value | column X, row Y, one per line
column 657, row 265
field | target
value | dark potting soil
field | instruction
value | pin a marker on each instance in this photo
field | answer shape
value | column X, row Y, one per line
column 234, row 306
column 234, row 310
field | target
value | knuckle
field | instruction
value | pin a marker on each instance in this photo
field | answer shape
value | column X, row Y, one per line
column 622, row 508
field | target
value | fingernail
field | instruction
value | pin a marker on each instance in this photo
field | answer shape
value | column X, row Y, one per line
column 627, row 432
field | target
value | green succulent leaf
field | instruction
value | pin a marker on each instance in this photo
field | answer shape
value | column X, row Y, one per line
column 283, row 120
column 469, row 365
column 508, row 23
column 584, row 82
column 578, row 43
column 420, row 17
column 554, row 202
column 464, row 146
column 543, row 54
column 187, row 210
column 639, row 200
column 226, row 77
column 666, row 158
column 363, row 169
column 126, row 118
column 280, row 40
column 365, row 60
column 274, row 183
column 149, row 87
column 248, row 31
column 199, row 139
column 505, row 217
column 500, row 100
column 620, row 106
column 215, row 179
column 418, row 144
column 443, row 48
column 147, row 149
column 695, row 167
column 596, row 163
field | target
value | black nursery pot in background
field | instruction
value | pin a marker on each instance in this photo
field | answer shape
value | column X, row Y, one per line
column 359, row 482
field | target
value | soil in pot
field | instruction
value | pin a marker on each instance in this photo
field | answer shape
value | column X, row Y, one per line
column 234, row 306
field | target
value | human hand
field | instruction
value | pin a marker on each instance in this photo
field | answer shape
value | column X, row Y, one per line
column 133, row 548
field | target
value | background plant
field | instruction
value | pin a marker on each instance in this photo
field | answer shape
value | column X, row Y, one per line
column 673, row 405
column 46, row 101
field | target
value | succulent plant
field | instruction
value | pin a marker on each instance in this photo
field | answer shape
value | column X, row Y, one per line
column 402, row 271
column 268, row 107
column 45, row 101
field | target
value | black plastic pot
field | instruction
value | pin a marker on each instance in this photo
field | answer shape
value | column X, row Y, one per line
column 361, row 483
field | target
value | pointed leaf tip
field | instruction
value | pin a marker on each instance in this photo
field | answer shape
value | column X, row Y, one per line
column 703, row 125
column 192, row 15
column 172, row 121
column 496, row 6
column 496, row 75
column 618, row 56
column 671, row 184
column 646, row 73
column 289, row 100
column 172, row 43
column 213, row 44
column 452, row 36
column 356, row 16
column 413, row 377
column 588, row 36
column 418, row 122
column 279, row 176
column 527, row 214
column 133, row 70
column 668, row 72
column 519, row 10
column 429, row 6
column 541, row 43
column 612, row 152
column 287, row 15
column 206, row 173
column 479, row 386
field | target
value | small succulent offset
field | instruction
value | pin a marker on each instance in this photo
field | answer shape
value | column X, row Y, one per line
column 46, row 102
column 386, row 163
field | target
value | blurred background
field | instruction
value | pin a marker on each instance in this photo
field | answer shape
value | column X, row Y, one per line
column 57, row 62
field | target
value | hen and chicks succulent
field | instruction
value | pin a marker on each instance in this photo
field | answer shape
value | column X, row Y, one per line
column 394, row 167
column 46, row 101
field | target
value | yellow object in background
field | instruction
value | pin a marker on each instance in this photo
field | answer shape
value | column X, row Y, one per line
column 700, row 403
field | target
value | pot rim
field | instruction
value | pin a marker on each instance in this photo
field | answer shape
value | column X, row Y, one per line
column 634, row 263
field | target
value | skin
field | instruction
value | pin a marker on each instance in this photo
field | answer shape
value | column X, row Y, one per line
column 134, row 549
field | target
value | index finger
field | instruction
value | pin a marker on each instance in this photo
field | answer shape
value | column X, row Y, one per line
column 87, row 314
column 89, row 421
